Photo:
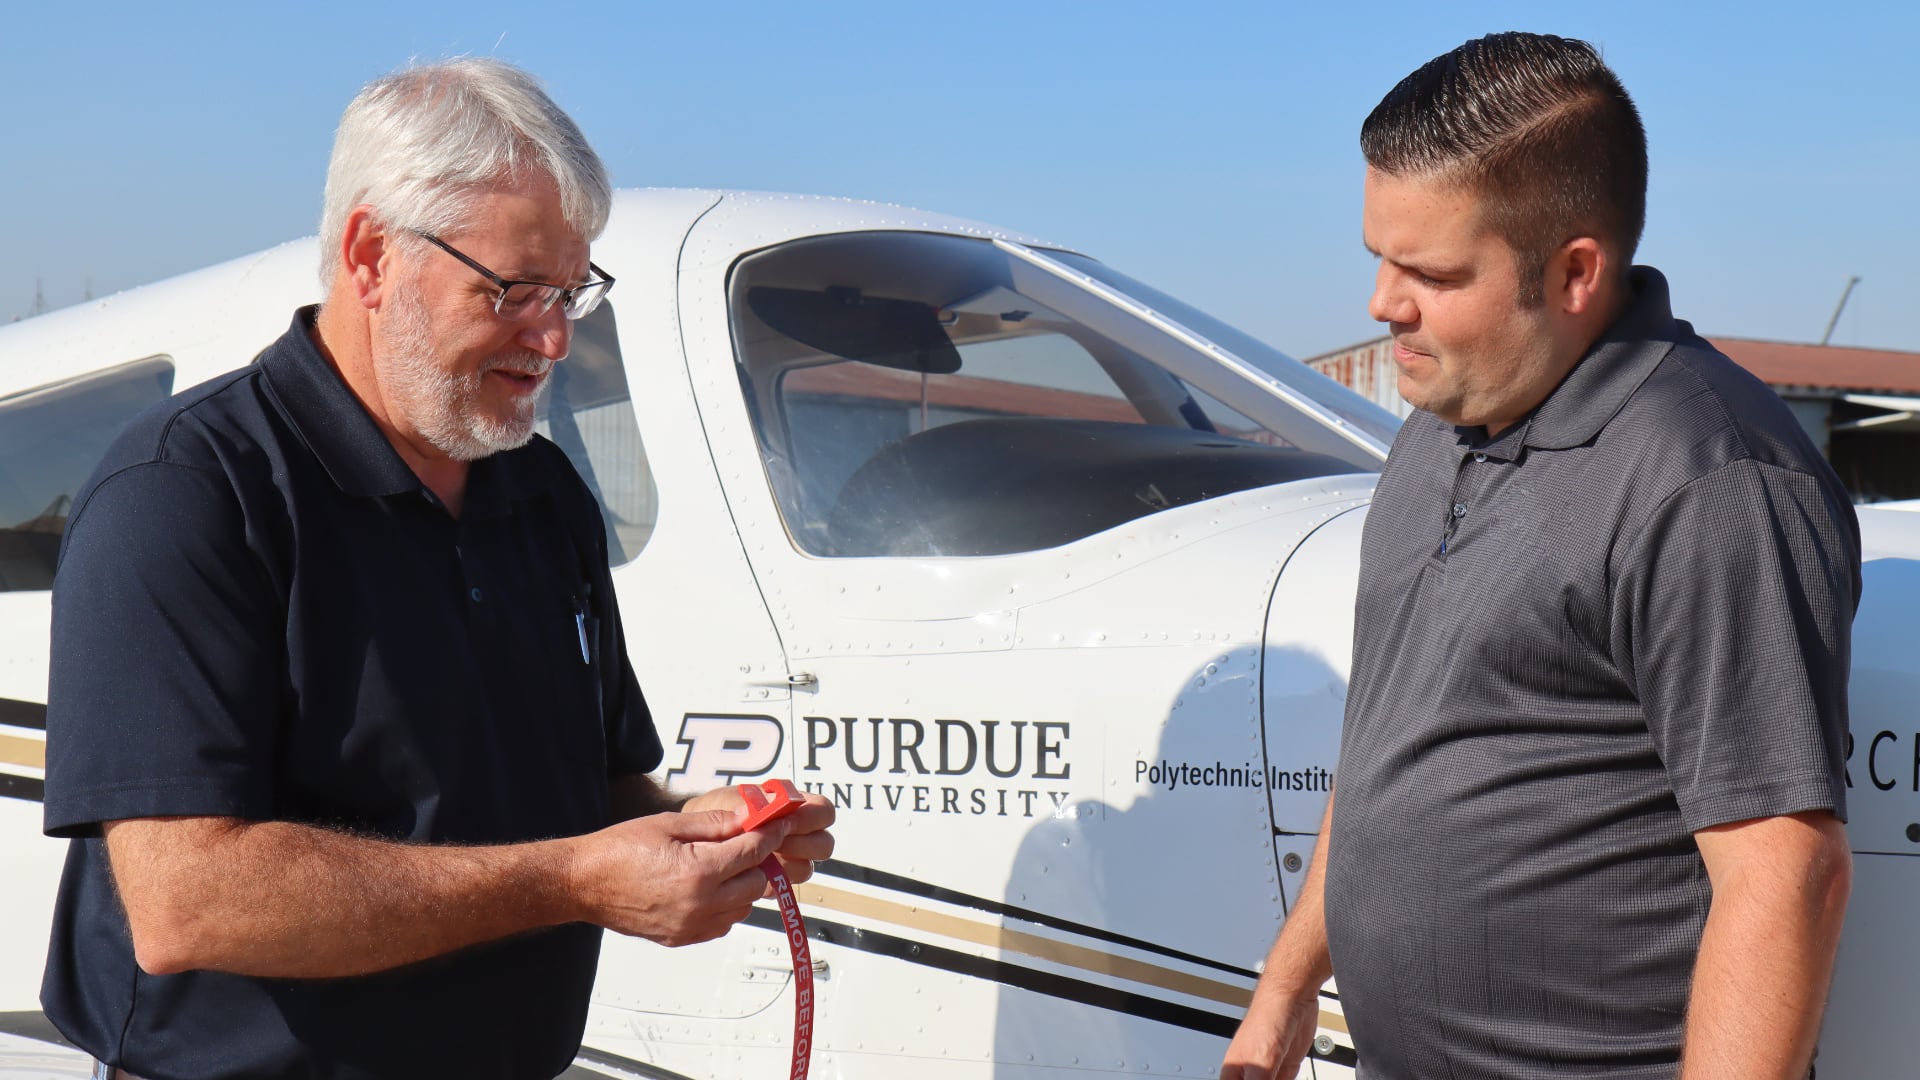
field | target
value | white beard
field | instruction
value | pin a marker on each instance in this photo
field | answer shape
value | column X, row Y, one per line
column 443, row 407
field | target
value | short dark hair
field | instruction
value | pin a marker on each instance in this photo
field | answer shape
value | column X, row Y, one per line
column 1538, row 127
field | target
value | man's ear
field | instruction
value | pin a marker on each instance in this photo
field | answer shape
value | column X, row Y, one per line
column 363, row 255
column 1577, row 276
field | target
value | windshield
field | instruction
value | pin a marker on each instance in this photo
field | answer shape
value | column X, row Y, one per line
column 921, row 394
column 1354, row 408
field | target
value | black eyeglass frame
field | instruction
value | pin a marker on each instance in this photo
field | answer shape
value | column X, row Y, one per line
column 561, row 294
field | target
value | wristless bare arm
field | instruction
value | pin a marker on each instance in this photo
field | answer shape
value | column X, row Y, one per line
column 1780, row 888
column 1275, row 1034
column 287, row 900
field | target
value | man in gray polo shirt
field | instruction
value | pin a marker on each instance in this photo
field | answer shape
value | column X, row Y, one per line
column 1588, row 816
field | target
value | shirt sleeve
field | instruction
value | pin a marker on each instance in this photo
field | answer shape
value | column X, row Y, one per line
column 1738, row 604
column 165, row 656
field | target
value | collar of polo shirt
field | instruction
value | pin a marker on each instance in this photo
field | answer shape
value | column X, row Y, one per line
column 1600, row 383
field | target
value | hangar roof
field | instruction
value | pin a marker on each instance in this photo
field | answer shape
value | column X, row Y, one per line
column 1784, row 365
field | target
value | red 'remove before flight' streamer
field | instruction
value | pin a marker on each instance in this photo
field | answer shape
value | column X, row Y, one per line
column 765, row 802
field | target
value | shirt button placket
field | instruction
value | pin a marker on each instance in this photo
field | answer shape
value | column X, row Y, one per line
column 1455, row 511
column 466, row 573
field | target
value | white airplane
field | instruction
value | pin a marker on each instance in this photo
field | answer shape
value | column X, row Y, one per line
column 1043, row 577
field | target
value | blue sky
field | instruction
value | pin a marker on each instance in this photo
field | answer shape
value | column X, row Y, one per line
column 1209, row 149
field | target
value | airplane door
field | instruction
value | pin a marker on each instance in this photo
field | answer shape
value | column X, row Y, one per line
column 1309, row 654
column 1308, row 659
column 989, row 694
column 714, row 676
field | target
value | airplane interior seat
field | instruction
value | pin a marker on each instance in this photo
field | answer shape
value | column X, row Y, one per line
column 1003, row 485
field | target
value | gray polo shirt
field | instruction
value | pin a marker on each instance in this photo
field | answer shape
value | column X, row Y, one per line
column 1624, row 619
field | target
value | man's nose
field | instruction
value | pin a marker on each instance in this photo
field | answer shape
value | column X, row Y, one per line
column 550, row 335
column 1389, row 302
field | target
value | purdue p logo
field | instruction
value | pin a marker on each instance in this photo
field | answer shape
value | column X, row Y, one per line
column 725, row 749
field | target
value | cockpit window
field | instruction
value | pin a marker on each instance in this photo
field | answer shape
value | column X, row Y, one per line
column 918, row 394
column 1353, row 408
column 51, row 437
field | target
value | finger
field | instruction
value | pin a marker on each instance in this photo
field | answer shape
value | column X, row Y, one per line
column 739, row 891
column 707, row 930
column 702, row 825
column 807, row 847
column 797, row 870
column 814, row 815
column 1257, row 1060
column 745, row 851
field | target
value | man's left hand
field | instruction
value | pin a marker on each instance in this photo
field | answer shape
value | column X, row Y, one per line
column 807, row 843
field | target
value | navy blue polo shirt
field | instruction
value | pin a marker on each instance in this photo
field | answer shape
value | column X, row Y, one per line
column 262, row 613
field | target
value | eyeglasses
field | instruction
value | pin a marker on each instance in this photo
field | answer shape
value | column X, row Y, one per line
column 519, row 300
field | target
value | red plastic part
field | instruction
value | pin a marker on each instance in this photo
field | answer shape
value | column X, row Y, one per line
column 765, row 802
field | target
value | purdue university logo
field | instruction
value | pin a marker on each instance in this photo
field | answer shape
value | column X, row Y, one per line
column 725, row 749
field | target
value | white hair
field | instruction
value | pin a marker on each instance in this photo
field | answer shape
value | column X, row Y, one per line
column 419, row 145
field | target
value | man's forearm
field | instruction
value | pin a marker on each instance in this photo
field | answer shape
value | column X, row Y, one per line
column 296, row 901
column 1275, row 1033
column 1766, row 954
column 1299, row 961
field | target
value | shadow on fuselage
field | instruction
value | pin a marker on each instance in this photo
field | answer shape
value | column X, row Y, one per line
column 1144, row 915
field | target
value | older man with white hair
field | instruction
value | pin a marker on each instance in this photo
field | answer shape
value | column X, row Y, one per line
column 341, row 720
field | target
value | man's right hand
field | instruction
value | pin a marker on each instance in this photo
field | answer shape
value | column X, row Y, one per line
column 1273, row 1038
column 673, row 878
column 1281, row 1020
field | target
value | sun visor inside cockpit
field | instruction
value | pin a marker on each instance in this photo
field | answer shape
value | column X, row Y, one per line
column 843, row 321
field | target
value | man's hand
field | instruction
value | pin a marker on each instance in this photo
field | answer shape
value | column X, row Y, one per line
column 1278, row 1029
column 1274, row 1036
column 808, row 840
column 674, row 878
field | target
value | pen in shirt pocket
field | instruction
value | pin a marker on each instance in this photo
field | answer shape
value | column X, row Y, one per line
column 580, row 627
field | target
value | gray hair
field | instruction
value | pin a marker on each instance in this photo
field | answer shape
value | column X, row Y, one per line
column 422, row 144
